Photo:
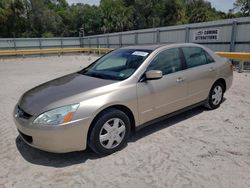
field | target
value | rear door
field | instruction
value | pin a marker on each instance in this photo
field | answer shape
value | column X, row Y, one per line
column 159, row 97
column 201, row 73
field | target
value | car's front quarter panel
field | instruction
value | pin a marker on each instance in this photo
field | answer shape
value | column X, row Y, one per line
column 54, row 138
column 124, row 94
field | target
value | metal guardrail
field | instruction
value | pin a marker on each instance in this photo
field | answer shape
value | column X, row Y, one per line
column 235, row 55
column 231, row 36
column 242, row 57
column 52, row 50
column 229, row 55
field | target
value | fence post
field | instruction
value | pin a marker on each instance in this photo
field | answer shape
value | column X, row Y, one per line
column 61, row 42
column 82, row 43
column 158, row 36
column 89, row 42
column 233, row 36
column 136, row 38
column 61, row 45
column 14, row 41
column 187, row 31
column 241, row 66
column 98, row 45
column 40, row 45
column 97, row 42
column 120, row 39
column 108, row 41
column 89, row 45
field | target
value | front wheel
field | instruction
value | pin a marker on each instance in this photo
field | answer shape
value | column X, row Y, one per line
column 110, row 132
column 215, row 97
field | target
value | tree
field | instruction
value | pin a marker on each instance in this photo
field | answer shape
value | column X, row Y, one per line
column 198, row 11
column 169, row 13
column 3, row 11
column 86, row 17
column 43, row 19
column 12, row 16
column 202, row 11
column 244, row 6
column 55, row 18
column 115, row 16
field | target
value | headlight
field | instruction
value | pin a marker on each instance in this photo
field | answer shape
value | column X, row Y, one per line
column 57, row 116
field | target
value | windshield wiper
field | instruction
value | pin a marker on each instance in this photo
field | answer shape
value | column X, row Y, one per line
column 96, row 75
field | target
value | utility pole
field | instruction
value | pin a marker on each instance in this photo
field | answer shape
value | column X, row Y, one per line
column 81, row 31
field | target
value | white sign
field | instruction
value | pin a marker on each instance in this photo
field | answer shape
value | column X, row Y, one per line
column 206, row 35
column 140, row 53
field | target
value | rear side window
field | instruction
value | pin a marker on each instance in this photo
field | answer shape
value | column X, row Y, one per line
column 209, row 58
column 196, row 56
column 167, row 61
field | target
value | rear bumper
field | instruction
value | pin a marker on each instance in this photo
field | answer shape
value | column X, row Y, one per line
column 58, row 139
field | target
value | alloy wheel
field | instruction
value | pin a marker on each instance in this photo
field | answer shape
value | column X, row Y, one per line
column 112, row 133
column 217, row 95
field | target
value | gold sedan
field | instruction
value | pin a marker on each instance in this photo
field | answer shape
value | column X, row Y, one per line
column 124, row 90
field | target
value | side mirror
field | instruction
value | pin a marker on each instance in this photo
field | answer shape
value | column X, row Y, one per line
column 153, row 75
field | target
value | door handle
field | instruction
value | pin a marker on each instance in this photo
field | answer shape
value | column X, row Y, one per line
column 180, row 79
column 211, row 69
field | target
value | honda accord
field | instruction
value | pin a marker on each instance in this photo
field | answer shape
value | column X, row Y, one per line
column 121, row 92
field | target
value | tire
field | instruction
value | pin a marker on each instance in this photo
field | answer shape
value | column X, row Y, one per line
column 216, row 95
column 110, row 132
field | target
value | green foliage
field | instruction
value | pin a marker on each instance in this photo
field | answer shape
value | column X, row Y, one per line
column 244, row 6
column 55, row 18
column 115, row 16
column 202, row 11
column 47, row 35
column 154, row 13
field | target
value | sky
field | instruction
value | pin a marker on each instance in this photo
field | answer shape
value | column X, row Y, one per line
column 222, row 5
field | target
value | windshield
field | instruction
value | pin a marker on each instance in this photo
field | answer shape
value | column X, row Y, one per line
column 117, row 65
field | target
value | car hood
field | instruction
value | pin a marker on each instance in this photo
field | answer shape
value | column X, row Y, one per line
column 41, row 98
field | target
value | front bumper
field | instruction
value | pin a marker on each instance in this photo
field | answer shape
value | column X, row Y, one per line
column 58, row 139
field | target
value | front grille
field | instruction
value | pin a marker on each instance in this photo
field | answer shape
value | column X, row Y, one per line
column 22, row 114
column 27, row 138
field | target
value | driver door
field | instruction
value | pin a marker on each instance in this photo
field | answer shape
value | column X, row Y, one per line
column 157, row 98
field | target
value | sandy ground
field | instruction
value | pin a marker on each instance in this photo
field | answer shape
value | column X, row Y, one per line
column 198, row 148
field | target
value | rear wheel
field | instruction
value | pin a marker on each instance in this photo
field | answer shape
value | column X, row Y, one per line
column 215, row 97
column 110, row 132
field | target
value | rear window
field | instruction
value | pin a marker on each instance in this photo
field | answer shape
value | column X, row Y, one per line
column 167, row 61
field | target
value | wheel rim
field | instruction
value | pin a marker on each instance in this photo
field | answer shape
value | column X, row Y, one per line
column 112, row 133
column 217, row 95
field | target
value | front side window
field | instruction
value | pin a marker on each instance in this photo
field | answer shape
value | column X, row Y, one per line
column 167, row 61
column 117, row 65
column 196, row 56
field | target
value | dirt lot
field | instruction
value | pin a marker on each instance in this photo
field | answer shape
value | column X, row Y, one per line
column 198, row 148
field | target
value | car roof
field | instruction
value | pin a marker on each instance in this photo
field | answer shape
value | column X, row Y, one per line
column 156, row 46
